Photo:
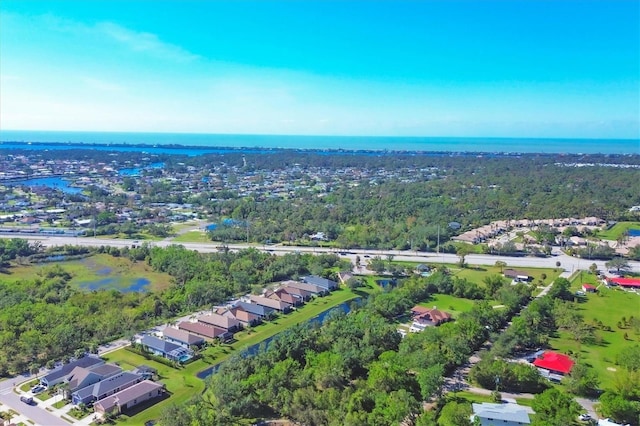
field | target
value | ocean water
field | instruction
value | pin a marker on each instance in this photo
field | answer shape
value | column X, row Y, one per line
column 258, row 143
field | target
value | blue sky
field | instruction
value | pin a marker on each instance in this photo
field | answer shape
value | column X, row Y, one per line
column 544, row 68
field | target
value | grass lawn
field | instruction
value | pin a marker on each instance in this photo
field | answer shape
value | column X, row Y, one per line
column 183, row 384
column 120, row 272
column 617, row 230
column 477, row 273
column 28, row 385
column 607, row 306
column 192, row 237
column 60, row 403
column 43, row 396
column 451, row 304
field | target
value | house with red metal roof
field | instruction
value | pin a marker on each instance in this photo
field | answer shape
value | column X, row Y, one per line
column 554, row 362
column 624, row 282
column 588, row 288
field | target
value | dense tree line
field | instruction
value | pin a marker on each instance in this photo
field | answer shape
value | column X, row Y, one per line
column 404, row 215
column 353, row 370
column 46, row 318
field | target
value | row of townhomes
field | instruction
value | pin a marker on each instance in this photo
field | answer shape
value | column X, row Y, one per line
column 177, row 342
column 91, row 381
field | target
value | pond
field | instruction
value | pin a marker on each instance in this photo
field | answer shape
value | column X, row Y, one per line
column 253, row 349
column 124, row 285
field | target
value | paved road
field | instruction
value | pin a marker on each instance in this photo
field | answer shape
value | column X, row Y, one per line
column 567, row 263
column 33, row 412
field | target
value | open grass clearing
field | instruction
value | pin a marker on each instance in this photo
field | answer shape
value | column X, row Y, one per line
column 617, row 230
column 608, row 306
column 451, row 304
column 192, row 237
column 477, row 273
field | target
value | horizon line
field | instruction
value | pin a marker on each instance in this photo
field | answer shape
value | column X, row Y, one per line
column 315, row 135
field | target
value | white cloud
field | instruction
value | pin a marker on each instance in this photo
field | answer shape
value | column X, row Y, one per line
column 144, row 42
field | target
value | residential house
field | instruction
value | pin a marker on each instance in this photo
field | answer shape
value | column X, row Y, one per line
column 226, row 322
column 298, row 292
column 61, row 373
column 345, row 276
column 278, row 305
column 609, row 422
column 425, row 317
column 264, row 312
column 554, row 363
column 181, row 337
column 324, row 283
column 247, row 319
column 205, row 330
column 129, row 397
column 624, row 282
column 313, row 289
column 165, row 348
column 283, row 295
column 490, row 414
column 518, row 276
column 105, row 388
column 81, row 377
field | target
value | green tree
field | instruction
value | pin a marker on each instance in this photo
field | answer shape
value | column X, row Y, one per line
column 455, row 414
column 619, row 408
column 554, row 408
column 500, row 264
column 620, row 264
column 629, row 358
column 582, row 380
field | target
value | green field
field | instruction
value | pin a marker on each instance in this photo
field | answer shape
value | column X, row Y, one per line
column 477, row 273
column 617, row 230
column 451, row 304
column 183, row 384
column 192, row 237
column 99, row 267
column 609, row 305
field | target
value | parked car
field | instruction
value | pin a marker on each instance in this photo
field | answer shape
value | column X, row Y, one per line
column 37, row 389
column 584, row 417
column 27, row 399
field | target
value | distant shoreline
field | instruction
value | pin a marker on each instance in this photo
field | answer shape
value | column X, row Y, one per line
column 374, row 145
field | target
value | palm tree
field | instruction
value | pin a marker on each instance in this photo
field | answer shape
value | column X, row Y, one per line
column 500, row 264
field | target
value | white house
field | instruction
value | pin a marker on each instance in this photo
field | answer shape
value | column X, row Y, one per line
column 490, row 414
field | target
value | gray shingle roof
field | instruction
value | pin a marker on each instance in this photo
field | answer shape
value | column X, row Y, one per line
column 84, row 362
column 506, row 412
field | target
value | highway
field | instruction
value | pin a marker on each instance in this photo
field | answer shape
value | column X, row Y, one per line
column 567, row 263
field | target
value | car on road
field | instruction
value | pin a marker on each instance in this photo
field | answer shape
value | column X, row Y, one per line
column 584, row 417
column 27, row 399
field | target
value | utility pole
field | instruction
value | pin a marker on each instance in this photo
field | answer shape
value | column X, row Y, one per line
column 438, row 246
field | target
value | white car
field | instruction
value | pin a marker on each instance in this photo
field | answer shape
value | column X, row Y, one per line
column 584, row 417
